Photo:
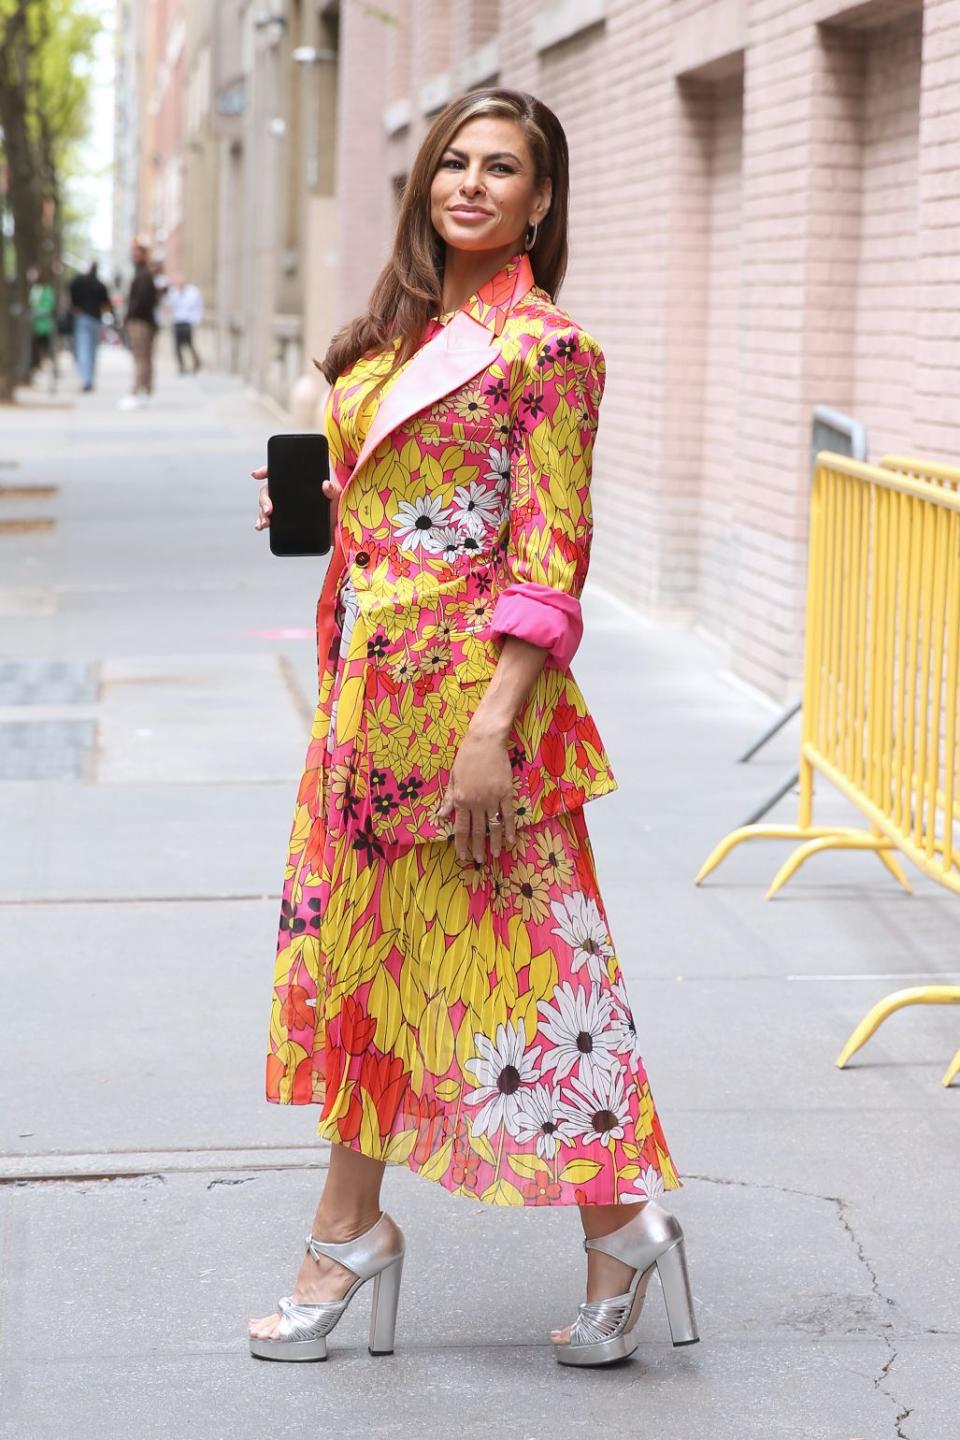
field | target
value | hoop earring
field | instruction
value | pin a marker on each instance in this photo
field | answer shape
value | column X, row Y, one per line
column 529, row 244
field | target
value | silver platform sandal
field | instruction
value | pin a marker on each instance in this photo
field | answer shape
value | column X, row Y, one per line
column 375, row 1255
column 604, row 1329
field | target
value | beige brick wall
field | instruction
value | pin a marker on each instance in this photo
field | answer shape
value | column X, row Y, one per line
column 765, row 208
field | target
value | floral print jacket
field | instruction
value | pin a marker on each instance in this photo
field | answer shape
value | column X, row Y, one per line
column 465, row 515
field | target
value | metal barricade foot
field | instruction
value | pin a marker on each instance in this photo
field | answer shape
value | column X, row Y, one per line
column 915, row 995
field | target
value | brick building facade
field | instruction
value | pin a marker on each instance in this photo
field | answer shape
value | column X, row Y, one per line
column 764, row 205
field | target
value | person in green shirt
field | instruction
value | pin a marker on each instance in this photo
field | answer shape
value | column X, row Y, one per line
column 43, row 322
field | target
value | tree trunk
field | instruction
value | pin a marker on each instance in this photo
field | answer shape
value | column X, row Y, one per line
column 24, row 193
column 23, row 163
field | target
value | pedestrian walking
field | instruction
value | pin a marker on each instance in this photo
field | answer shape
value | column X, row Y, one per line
column 185, row 307
column 141, row 325
column 43, row 325
column 447, row 989
column 89, row 300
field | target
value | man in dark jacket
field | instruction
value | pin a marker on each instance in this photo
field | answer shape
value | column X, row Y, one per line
column 88, row 301
column 141, row 327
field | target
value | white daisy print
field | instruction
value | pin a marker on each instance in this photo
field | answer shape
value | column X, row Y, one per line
column 447, row 541
column 501, row 1067
column 417, row 522
column 597, row 1110
column 621, row 1023
column 498, row 467
column 476, row 508
column 576, row 1021
column 647, row 1186
column 581, row 925
column 539, row 1118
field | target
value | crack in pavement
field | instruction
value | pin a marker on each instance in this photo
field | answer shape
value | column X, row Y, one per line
column 887, row 1329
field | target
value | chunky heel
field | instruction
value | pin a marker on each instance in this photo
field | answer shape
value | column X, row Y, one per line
column 675, row 1284
column 383, row 1314
column 605, row 1330
column 376, row 1255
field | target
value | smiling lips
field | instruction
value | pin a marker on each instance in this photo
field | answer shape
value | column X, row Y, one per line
column 469, row 212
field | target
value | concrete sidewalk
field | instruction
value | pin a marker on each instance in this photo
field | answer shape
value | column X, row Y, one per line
column 157, row 675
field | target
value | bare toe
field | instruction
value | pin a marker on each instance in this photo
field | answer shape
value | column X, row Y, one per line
column 561, row 1337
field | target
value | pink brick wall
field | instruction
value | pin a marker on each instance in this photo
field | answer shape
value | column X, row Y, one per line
column 766, row 197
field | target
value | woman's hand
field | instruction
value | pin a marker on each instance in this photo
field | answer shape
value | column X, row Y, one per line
column 331, row 488
column 481, row 783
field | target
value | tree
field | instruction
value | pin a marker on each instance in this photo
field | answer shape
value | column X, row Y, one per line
column 44, row 112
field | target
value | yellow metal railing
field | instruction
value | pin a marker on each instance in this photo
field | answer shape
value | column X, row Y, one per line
column 881, row 718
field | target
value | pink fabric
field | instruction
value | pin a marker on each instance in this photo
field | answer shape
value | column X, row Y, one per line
column 540, row 614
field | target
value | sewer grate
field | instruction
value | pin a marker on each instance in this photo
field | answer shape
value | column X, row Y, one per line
column 48, row 682
column 46, row 749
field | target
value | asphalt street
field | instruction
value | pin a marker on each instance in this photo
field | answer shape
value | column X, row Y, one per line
column 157, row 677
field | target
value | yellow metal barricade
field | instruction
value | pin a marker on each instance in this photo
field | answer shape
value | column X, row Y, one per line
column 919, row 469
column 936, row 474
column 881, row 718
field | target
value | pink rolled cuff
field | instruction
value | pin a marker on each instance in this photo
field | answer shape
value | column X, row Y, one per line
column 543, row 616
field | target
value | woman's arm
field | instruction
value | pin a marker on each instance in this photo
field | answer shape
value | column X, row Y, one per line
column 537, row 614
column 481, row 780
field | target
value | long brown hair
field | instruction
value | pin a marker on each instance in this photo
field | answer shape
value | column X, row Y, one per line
column 409, row 289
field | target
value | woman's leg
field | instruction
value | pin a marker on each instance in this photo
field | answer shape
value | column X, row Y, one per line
column 349, row 1205
column 605, row 1275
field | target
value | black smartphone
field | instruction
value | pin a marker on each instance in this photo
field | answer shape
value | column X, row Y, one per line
column 297, row 466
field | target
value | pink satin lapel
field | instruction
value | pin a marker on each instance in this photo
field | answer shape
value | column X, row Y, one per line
column 455, row 354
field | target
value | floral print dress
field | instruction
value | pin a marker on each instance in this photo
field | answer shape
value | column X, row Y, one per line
column 468, row 1021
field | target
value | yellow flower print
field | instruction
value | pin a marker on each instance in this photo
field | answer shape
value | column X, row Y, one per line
column 471, row 404
column 500, row 893
column 531, row 892
column 522, row 811
column 475, row 876
column 479, row 613
column 443, row 631
column 552, row 856
column 436, row 659
column 501, row 426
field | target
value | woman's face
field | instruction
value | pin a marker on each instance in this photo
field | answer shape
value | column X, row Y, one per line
column 484, row 194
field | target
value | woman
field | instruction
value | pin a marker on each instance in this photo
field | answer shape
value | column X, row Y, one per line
column 458, row 1008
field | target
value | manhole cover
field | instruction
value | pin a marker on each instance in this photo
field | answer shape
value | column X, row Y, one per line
column 48, row 682
column 46, row 749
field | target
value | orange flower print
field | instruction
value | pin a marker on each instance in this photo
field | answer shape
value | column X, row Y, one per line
column 308, row 786
column 565, row 716
column 349, row 1123
column 275, row 1073
column 540, row 1191
column 385, row 1079
column 466, row 1167
column 554, row 753
column 303, row 1082
column 297, row 1014
column 587, row 730
column 430, row 1120
column 313, row 849
column 357, row 1029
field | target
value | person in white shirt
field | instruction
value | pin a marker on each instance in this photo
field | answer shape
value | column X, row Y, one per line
column 184, row 304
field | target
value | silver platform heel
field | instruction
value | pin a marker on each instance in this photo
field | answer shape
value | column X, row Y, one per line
column 375, row 1255
column 604, row 1329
